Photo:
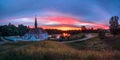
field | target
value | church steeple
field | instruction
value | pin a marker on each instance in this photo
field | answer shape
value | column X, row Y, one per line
column 36, row 22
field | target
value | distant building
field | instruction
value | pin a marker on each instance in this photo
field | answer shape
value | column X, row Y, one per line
column 36, row 33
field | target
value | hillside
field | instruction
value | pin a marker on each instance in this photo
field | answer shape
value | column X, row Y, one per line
column 50, row 50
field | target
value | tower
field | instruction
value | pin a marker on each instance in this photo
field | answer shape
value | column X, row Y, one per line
column 36, row 23
column 9, row 24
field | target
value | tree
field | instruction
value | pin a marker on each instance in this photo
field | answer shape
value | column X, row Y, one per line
column 12, row 30
column 8, row 30
column 101, row 33
column 83, row 28
column 114, row 25
column 22, row 29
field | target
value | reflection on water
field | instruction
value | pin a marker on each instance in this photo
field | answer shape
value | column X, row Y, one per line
column 66, row 35
column 54, row 36
column 57, row 36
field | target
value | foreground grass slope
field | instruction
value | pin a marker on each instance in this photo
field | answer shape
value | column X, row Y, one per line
column 49, row 50
column 91, row 44
column 108, row 43
column 113, row 41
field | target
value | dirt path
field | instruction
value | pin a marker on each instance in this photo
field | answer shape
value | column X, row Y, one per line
column 3, row 40
column 88, row 36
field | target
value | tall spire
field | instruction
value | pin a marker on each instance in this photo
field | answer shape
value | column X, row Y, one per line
column 36, row 22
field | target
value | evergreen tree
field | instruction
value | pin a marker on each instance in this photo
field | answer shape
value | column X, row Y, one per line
column 114, row 25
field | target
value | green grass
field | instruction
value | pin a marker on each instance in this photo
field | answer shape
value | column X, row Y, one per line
column 92, row 49
column 113, row 41
column 77, row 36
column 91, row 44
column 51, row 50
column 9, row 46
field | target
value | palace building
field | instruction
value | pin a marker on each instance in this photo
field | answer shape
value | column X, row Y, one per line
column 36, row 33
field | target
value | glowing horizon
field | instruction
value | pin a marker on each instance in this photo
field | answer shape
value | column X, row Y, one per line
column 64, row 23
column 72, row 13
column 59, row 22
column 65, row 28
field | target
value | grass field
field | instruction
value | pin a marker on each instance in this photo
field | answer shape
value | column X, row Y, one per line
column 92, row 49
column 77, row 36
column 91, row 44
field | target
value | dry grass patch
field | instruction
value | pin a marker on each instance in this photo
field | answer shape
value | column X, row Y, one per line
column 49, row 50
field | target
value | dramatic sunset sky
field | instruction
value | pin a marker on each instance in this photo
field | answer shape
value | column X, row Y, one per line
column 59, row 13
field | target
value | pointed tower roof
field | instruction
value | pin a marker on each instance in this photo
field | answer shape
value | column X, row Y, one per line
column 9, row 23
column 36, row 23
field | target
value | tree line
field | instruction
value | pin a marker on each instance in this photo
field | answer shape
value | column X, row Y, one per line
column 73, row 32
column 12, row 30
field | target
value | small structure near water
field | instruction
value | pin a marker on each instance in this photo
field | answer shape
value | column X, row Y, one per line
column 34, row 34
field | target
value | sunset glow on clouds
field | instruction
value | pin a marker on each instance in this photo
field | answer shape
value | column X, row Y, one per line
column 59, row 21
column 55, row 20
column 51, row 14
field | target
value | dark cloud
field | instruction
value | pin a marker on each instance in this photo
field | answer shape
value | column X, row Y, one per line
column 89, row 10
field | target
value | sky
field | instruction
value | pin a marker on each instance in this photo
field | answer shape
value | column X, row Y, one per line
column 54, row 13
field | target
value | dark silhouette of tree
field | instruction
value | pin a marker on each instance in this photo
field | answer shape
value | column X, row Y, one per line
column 101, row 33
column 72, row 32
column 0, row 36
column 22, row 29
column 83, row 28
column 114, row 24
column 8, row 30
column 12, row 30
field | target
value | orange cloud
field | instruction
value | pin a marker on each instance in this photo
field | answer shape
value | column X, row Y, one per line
column 60, row 20
column 64, row 23
column 61, row 27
